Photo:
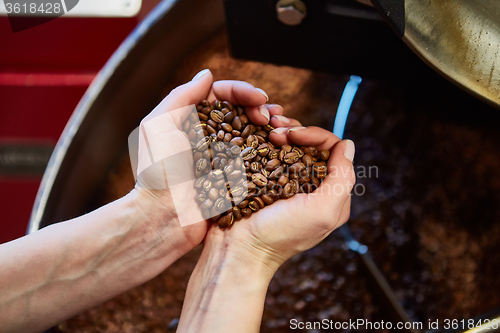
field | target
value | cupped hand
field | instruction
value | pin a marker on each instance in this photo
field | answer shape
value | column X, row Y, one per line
column 164, row 167
column 290, row 226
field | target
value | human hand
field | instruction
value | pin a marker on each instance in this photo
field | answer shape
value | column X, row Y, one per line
column 164, row 167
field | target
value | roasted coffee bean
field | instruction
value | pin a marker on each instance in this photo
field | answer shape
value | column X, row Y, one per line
column 250, row 185
column 225, row 111
column 237, row 191
column 263, row 149
column 265, row 172
column 227, row 138
column 233, row 150
column 228, row 169
column 220, row 135
column 260, row 202
column 186, row 126
column 239, row 141
column 237, row 213
column 319, row 168
column 207, row 185
column 260, row 139
column 218, row 104
column 218, row 146
column 220, row 204
column 201, row 197
column 205, row 103
column 201, row 164
column 228, row 117
column 293, row 176
column 271, row 183
column 244, row 119
column 272, row 164
column 246, row 212
column 324, row 155
column 273, row 194
column 215, row 175
column 295, row 186
column 281, row 155
column 286, row 148
column 311, row 151
column 291, row 158
column 267, row 199
column 299, row 152
column 307, row 160
column 287, row 191
column 226, row 221
column 206, row 110
column 296, row 167
column 235, row 175
column 235, row 133
column 277, row 173
column 304, row 179
column 217, row 116
column 206, row 204
column 236, row 123
column 203, row 144
column 243, row 204
column 212, row 123
column 273, row 154
column 210, row 130
column 198, row 183
column 226, row 127
column 306, row 188
column 261, row 133
column 213, row 194
column 252, row 141
column 259, row 179
column 247, row 131
column 254, row 206
column 227, row 105
column 219, row 183
column 248, row 153
column 202, row 116
column 255, row 167
column 282, row 181
column 315, row 181
column 263, row 160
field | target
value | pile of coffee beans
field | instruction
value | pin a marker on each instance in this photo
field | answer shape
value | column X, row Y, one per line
column 238, row 170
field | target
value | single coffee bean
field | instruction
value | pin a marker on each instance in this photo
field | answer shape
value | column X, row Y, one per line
column 291, row 158
column 228, row 117
column 296, row 167
column 213, row 194
column 228, row 169
column 282, row 181
column 304, row 179
column 246, row 212
column 219, row 183
column 272, row 164
column 255, row 167
column 306, row 188
column 225, row 111
column 307, row 160
column 243, row 204
column 271, row 183
column 236, row 123
column 210, row 130
column 202, row 144
column 259, row 201
column 273, row 154
column 206, row 110
column 226, row 221
column 220, row 135
column 293, row 176
column 207, row 204
column 227, row 138
column 263, row 160
column 198, row 183
column 218, row 146
column 267, row 199
column 287, row 191
column 235, row 175
column 273, row 194
column 299, row 152
column 281, row 155
column 201, row 197
column 249, row 185
column 215, row 175
column 226, row 127
column 235, row 133
column 205, row 102
column 295, row 186
column 263, row 149
column 220, row 204
column 217, row 116
column 324, row 155
column 261, row 133
column 248, row 153
column 254, row 206
column 260, row 139
column 244, row 119
column 218, row 104
column 237, row 213
column 207, row 185
column 277, row 173
column 238, row 141
column 286, row 148
column 318, row 168
column 237, row 191
column 265, row 172
column 259, row 179
column 311, row 151
column 252, row 141
column 233, row 150
column 201, row 164
column 249, row 130
column 202, row 116
column 212, row 123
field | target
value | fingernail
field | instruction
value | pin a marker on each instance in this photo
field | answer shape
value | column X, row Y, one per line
column 280, row 130
column 264, row 111
column 350, row 149
column 200, row 74
column 282, row 119
column 298, row 128
column 263, row 93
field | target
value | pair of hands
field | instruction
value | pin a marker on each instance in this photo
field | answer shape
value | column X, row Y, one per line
column 282, row 229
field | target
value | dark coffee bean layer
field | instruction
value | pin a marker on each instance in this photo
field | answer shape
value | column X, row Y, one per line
column 239, row 171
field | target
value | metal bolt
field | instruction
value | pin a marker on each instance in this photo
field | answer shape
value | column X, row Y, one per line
column 291, row 12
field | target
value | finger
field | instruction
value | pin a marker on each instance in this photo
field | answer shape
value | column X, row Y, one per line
column 313, row 136
column 258, row 115
column 275, row 109
column 279, row 137
column 238, row 93
column 282, row 121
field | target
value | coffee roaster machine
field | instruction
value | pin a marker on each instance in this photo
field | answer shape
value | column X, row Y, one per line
column 338, row 36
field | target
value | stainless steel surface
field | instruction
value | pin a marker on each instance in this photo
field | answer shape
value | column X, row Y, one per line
column 460, row 39
column 125, row 90
column 291, row 12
